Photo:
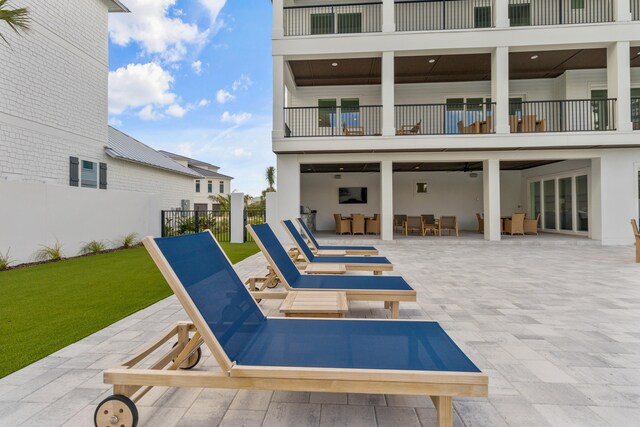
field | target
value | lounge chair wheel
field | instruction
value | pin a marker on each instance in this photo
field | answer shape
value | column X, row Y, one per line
column 116, row 411
column 192, row 360
column 273, row 284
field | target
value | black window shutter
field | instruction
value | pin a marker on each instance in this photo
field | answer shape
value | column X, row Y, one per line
column 74, row 177
column 103, row 176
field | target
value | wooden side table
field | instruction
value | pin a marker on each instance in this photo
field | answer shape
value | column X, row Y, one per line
column 315, row 304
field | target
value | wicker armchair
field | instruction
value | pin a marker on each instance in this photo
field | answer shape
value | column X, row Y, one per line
column 531, row 225
column 343, row 226
column 372, row 225
column 357, row 224
column 449, row 223
column 515, row 225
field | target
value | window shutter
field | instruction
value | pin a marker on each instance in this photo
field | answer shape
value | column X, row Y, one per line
column 74, row 177
column 103, row 176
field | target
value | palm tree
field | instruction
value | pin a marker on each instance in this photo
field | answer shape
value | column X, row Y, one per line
column 16, row 19
column 271, row 178
column 224, row 200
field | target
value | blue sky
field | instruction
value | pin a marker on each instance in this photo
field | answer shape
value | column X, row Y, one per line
column 194, row 77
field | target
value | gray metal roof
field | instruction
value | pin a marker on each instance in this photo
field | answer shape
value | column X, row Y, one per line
column 189, row 160
column 122, row 146
column 209, row 173
column 116, row 6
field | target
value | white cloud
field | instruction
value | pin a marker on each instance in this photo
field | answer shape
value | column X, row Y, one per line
column 203, row 102
column 242, row 83
column 214, row 7
column 184, row 149
column 241, row 152
column 149, row 114
column 115, row 122
column 175, row 110
column 223, row 96
column 197, row 67
column 236, row 119
column 139, row 85
column 150, row 25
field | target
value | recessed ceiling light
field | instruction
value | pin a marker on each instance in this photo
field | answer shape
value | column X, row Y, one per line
column 341, row 169
column 431, row 61
column 417, row 167
column 534, row 57
column 334, row 64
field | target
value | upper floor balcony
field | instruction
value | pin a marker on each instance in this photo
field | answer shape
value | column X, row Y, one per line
column 302, row 19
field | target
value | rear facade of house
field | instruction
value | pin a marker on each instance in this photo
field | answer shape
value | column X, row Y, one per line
column 458, row 108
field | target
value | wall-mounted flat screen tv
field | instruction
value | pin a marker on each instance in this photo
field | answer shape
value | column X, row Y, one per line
column 352, row 195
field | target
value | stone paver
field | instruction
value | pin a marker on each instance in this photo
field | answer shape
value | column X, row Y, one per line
column 554, row 321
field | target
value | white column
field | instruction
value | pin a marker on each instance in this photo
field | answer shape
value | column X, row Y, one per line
column 491, row 183
column 388, row 94
column 386, row 200
column 501, row 13
column 278, row 97
column 277, row 19
column 619, row 83
column 388, row 16
column 622, row 10
column 237, row 218
column 288, row 187
column 500, row 89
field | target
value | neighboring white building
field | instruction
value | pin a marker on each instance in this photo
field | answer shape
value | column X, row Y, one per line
column 493, row 106
column 211, row 183
column 57, row 182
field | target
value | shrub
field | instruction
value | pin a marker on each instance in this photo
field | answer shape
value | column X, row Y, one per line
column 49, row 253
column 93, row 247
column 127, row 241
column 5, row 260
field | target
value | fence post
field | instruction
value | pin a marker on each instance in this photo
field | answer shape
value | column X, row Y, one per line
column 237, row 218
column 162, row 228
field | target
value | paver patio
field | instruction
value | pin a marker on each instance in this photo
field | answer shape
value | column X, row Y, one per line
column 554, row 322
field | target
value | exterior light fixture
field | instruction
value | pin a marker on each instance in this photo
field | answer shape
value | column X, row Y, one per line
column 334, row 64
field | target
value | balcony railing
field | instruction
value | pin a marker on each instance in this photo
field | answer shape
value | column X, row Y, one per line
column 432, row 15
column 444, row 119
column 334, row 19
column 558, row 12
column 635, row 113
column 580, row 115
column 333, row 121
column 635, row 10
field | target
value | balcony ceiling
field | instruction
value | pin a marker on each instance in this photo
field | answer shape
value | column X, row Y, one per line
column 449, row 68
column 421, row 167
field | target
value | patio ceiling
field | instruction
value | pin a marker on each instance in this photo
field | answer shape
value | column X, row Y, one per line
column 449, row 68
column 421, row 166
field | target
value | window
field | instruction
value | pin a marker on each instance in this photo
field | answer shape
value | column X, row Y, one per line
column 577, row 4
column 462, row 112
column 482, row 17
column 349, row 23
column 635, row 108
column 221, row 187
column 600, row 109
column 210, row 187
column 327, row 113
column 534, row 199
column 565, row 195
column 322, row 23
column 350, row 111
column 582, row 202
column 197, row 185
column 520, row 14
column 515, row 107
column 549, row 188
column 89, row 174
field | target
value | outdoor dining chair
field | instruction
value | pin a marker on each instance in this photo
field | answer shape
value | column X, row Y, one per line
column 349, row 250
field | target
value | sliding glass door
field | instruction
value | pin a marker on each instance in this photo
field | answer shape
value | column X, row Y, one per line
column 563, row 201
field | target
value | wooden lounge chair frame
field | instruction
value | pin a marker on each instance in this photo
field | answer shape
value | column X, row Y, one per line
column 391, row 298
column 322, row 252
column 131, row 381
column 303, row 262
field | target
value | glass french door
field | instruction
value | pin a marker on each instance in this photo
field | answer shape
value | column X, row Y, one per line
column 549, row 188
column 563, row 201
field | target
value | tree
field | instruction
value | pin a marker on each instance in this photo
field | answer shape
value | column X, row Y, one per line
column 271, row 178
column 16, row 19
column 224, row 200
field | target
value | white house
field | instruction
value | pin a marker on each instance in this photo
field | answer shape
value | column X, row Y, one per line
column 61, row 175
column 210, row 183
column 458, row 108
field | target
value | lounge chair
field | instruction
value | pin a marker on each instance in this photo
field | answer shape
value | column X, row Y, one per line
column 410, row 129
column 349, row 250
column 306, row 257
column 257, row 352
column 390, row 289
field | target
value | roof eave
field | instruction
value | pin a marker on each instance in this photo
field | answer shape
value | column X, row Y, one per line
column 115, row 6
column 111, row 154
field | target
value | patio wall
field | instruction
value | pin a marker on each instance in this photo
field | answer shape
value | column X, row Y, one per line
column 450, row 193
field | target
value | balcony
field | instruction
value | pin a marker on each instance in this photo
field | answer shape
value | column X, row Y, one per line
column 635, row 10
column 635, row 113
column 559, row 12
column 443, row 15
column 444, row 119
column 333, row 121
column 575, row 115
column 333, row 19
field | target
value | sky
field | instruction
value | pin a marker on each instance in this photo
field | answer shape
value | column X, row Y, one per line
column 194, row 77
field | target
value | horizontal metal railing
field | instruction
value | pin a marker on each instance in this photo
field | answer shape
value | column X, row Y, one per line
column 559, row 12
column 579, row 115
column 333, row 121
column 635, row 113
column 253, row 217
column 444, row 119
column 435, row 15
column 635, row 10
column 333, row 19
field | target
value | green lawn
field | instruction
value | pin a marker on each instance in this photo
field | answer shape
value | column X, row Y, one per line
column 47, row 307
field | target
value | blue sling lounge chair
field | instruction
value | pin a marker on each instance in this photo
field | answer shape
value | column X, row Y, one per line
column 390, row 289
column 321, row 250
column 256, row 352
column 357, row 263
